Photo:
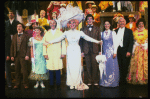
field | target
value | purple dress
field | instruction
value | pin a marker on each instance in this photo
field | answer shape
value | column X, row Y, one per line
column 111, row 79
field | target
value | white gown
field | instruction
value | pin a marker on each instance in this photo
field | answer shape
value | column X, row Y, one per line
column 74, row 57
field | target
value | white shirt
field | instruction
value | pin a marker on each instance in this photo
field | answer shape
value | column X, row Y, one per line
column 90, row 28
column 120, row 36
column 130, row 25
column 114, row 39
column 20, row 33
column 11, row 21
column 53, row 31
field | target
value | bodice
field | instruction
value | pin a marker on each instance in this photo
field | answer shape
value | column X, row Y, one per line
column 73, row 37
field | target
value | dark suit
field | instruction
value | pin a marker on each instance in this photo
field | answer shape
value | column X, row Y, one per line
column 122, row 51
column 19, row 57
column 90, row 51
column 10, row 29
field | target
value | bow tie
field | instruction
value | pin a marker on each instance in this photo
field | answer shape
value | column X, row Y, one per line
column 90, row 26
column 106, row 33
column 19, row 35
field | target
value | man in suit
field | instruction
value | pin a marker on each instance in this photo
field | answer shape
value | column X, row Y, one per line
column 125, row 46
column 19, row 53
column 90, row 50
column 11, row 24
column 10, row 30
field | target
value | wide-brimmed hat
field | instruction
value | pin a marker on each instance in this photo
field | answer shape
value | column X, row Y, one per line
column 70, row 13
column 34, row 19
column 78, row 17
column 92, row 2
column 94, row 6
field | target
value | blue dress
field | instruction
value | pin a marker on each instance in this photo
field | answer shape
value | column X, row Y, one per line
column 111, row 79
column 38, row 62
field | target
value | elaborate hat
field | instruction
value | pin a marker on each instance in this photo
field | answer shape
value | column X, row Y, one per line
column 34, row 18
column 117, row 17
column 69, row 13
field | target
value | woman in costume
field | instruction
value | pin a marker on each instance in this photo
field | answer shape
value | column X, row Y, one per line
column 74, row 78
column 138, row 71
column 53, row 6
column 96, row 16
column 131, row 25
column 89, row 7
column 111, row 76
column 32, row 24
column 38, row 72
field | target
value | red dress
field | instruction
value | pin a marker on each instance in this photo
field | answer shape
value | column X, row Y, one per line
column 51, row 9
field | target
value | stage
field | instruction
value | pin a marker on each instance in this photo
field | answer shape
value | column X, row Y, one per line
column 137, row 91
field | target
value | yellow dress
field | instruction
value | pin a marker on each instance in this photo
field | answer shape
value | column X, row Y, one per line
column 54, row 50
column 43, row 22
column 138, row 71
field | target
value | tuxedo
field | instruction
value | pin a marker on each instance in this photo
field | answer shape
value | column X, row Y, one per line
column 90, row 51
column 19, row 49
column 122, row 51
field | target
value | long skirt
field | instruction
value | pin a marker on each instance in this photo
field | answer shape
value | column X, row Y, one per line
column 138, row 70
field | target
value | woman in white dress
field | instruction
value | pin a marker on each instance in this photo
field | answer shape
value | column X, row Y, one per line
column 74, row 78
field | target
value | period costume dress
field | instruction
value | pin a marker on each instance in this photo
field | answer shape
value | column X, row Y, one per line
column 131, row 25
column 74, row 77
column 38, row 61
column 54, row 6
column 88, row 10
column 138, row 71
column 111, row 76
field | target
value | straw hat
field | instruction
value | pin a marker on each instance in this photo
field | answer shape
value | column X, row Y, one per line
column 92, row 2
column 94, row 6
column 131, row 16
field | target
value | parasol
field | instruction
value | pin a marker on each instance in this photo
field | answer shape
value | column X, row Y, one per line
column 101, row 59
